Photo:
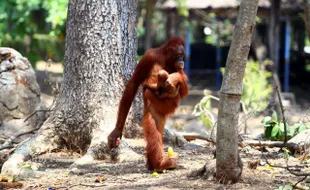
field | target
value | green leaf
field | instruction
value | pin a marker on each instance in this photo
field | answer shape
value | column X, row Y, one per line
column 275, row 130
column 286, row 187
column 274, row 116
column 104, row 169
column 206, row 120
column 280, row 136
column 266, row 119
column 291, row 131
column 302, row 128
column 267, row 125
column 267, row 132
column 271, row 122
column 26, row 166
column 296, row 126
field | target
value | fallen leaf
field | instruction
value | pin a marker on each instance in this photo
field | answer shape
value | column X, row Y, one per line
column 4, row 179
column 11, row 179
column 99, row 179
column 104, row 169
column 26, row 166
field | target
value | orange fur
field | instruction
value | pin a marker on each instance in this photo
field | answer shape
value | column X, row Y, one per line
column 169, row 86
column 156, row 109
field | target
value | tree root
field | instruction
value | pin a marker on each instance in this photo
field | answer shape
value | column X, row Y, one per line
column 270, row 144
column 9, row 185
column 44, row 141
column 9, row 141
column 171, row 137
column 208, row 171
column 98, row 150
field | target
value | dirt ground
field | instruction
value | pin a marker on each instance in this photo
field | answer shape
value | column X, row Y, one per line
column 52, row 170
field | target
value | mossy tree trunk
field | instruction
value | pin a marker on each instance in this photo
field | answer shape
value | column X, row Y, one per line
column 228, row 162
column 99, row 59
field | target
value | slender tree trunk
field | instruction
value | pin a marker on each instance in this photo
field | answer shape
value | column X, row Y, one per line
column 273, row 31
column 148, row 24
column 99, row 59
column 228, row 162
column 274, row 36
column 307, row 16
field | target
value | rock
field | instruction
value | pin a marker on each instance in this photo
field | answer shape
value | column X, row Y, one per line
column 302, row 137
column 19, row 91
column 171, row 137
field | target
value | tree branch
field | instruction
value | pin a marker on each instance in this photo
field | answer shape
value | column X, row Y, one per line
column 29, row 116
column 9, row 141
column 282, row 110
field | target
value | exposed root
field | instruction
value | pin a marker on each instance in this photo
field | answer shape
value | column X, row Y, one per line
column 9, row 141
column 98, row 150
column 48, row 139
column 173, row 138
column 44, row 141
column 10, row 185
column 207, row 171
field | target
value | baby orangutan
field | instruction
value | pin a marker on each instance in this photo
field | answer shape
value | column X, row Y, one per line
column 168, row 85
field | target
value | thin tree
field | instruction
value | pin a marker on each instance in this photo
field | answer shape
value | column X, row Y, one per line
column 307, row 16
column 100, row 56
column 273, row 43
column 228, row 162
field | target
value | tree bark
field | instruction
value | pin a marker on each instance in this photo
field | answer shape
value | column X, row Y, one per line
column 273, row 39
column 148, row 24
column 307, row 16
column 228, row 162
column 99, row 59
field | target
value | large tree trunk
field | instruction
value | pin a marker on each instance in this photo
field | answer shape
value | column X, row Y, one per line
column 100, row 57
column 228, row 162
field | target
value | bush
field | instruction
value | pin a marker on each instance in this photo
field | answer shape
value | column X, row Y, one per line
column 274, row 128
column 41, row 47
column 255, row 93
column 255, row 89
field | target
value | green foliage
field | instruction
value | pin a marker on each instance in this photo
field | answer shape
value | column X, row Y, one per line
column 57, row 14
column 255, row 90
column 221, row 31
column 286, row 153
column 274, row 128
column 285, row 187
column 16, row 17
column 42, row 47
column 159, row 25
column 307, row 66
column 255, row 94
column 182, row 8
column 20, row 18
column 202, row 110
column 35, row 28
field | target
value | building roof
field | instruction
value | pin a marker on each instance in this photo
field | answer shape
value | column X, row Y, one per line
column 214, row 4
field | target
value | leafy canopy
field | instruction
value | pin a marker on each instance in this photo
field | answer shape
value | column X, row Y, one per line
column 19, row 18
